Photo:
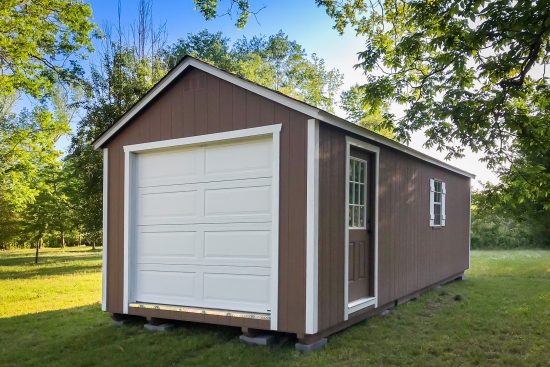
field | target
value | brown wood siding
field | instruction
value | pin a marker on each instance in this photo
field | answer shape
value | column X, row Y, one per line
column 199, row 103
column 411, row 254
column 332, row 151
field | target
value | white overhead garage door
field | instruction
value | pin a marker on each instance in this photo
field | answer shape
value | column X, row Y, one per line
column 202, row 226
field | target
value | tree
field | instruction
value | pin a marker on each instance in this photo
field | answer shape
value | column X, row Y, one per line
column 274, row 62
column 128, row 69
column 39, row 43
column 353, row 102
column 31, row 168
column 239, row 8
column 210, row 47
column 468, row 73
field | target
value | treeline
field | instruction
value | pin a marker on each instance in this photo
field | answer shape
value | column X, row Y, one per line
column 499, row 221
column 54, row 197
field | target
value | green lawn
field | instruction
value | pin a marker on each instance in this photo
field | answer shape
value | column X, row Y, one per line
column 50, row 315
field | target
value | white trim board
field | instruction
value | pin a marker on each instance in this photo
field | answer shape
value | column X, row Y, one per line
column 105, row 228
column 202, row 139
column 311, row 111
column 132, row 150
column 350, row 307
column 128, row 158
column 312, row 227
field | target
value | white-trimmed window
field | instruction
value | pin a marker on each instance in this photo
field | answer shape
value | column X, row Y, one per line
column 437, row 203
column 357, row 199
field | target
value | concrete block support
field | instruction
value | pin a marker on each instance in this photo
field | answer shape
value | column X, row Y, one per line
column 312, row 347
column 120, row 319
column 258, row 339
column 159, row 327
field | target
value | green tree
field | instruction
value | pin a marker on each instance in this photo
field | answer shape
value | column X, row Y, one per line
column 274, row 62
column 468, row 73
column 213, row 48
column 239, row 8
column 126, row 72
column 353, row 102
column 40, row 42
column 30, row 163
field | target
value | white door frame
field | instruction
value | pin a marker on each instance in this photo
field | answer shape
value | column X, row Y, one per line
column 130, row 152
column 312, row 228
column 350, row 307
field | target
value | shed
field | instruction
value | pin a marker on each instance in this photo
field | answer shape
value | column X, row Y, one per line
column 229, row 203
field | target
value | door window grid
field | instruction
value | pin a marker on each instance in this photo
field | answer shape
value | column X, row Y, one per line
column 357, row 193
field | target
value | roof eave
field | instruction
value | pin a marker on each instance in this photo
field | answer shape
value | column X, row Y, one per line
column 290, row 102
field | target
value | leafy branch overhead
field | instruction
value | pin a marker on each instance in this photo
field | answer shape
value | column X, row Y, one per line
column 470, row 73
column 40, row 42
column 240, row 8
column 465, row 69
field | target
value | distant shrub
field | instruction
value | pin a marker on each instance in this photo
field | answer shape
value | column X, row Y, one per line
column 504, row 231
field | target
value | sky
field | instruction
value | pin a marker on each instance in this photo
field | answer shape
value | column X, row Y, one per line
column 301, row 20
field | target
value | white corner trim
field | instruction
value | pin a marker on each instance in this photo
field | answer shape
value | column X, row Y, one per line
column 131, row 150
column 350, row 307
column 201, row 139
column 312, row 227
column 127, row 220
column 274, row 96
column 105, row 228
column 274, row 320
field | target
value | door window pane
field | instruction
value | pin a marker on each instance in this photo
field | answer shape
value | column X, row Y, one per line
column 357, row 193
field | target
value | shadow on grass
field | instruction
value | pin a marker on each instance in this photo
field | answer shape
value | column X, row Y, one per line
column 62, row 269
column 70, row 337
column 23, row 266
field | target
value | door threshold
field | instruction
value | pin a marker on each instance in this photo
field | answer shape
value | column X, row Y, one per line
column 361, row 303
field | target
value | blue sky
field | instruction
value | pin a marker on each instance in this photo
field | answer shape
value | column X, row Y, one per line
column 301, row 20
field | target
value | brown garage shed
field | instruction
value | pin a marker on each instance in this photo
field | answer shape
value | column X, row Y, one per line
column 229, row 203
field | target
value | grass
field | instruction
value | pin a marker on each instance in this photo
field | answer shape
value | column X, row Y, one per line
column 50, row 316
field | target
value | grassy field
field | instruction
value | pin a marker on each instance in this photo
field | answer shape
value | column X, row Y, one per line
column 50, row 316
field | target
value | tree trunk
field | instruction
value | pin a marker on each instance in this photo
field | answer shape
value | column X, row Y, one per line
column 38, row 245
column 93, row 245
column 79, row 239
column 62, row 239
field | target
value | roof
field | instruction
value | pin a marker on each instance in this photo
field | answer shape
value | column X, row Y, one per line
column 309, row 110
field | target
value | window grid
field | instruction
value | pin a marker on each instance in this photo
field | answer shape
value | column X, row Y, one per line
column 357, row 190
column 437, row 203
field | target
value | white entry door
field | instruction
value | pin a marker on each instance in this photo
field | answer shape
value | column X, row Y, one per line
column 202, row 226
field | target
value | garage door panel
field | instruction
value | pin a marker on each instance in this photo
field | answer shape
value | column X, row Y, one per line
column 238, row 201
column 172, row 205
column 237, row 244
column 242, row 157
column 167, row 287
column 169, row 167
column 157, row 246
column 212, row 226
column 199, row 267
column 237, row 288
